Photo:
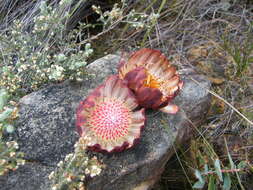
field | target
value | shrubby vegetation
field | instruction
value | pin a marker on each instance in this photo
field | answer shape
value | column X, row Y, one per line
column 9, row 158
column 73, row 171
column 43, row 52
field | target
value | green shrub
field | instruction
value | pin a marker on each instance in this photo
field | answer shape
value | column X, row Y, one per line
column 43, row 52
column 9, row 158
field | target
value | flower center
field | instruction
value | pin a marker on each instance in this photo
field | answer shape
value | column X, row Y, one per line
column 151, row 81
column 110, row 120
column 155, row 82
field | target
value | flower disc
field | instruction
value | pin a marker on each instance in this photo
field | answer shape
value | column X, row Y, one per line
column 110, row 120
column 108, row 117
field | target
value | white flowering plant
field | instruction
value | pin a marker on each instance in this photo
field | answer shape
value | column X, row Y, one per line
column 75, row 169
column 118, row 14
column 43, row 52
column 9, row 158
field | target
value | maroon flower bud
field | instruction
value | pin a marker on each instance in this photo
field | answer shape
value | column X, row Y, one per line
column 154, row 81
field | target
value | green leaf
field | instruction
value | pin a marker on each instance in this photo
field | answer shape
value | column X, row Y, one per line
column 199, row 176
column 198, row 185
column 224, row 6
column 218, row 169
column 9, row 128
column 211, row 184
column 251, row 169
column 232, row 165
column 227, row 182
column 250, row 59
column 242, row 165
column 4, row 115
column 3, row 98
column 206, row 168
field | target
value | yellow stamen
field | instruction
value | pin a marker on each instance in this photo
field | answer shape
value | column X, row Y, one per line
column 152, row 82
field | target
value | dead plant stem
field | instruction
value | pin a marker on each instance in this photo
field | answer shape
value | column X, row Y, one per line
column 225, row 101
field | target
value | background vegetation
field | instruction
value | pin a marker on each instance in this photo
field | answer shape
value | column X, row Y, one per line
column 50, row 41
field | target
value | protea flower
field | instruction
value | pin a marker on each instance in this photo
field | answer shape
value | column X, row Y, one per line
column 154, row 81
column 108, row 116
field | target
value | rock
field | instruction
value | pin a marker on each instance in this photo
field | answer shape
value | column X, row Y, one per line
column 46, row 133
column 31, row 176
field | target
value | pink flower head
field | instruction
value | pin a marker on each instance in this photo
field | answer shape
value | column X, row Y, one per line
column 109, row 117
column 154, row 81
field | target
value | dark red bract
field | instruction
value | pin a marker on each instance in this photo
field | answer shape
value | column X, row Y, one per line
column 154, row 81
